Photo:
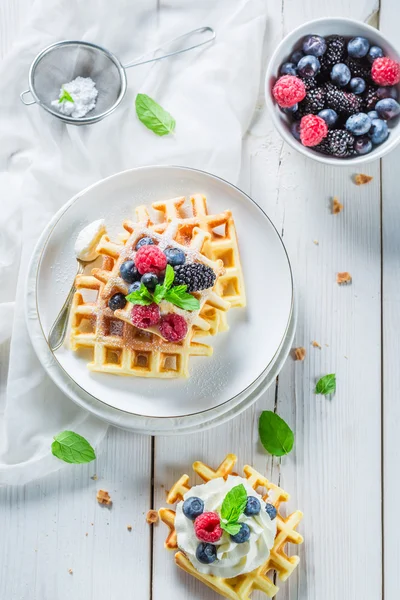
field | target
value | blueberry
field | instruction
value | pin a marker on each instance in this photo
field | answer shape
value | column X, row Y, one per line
column 135, row 287
column 243, row 535
column 308, row 66
column 373, row 115
column 386, row 92
column 340, row 74
column 161, row 277
column 314, row 44
column 329, row 116
column 145, row 241
column 296, row 56
column 129, row 272
column 290, row 109
column 193, row 507
column 117, row 301
column 295, row 129
column 206, row 553
column 374, row 52
column 379, row 131
column 357, row 85
column 253, row 506
column 175, row 256
column 387, row 108
column 271, row 510
column 150, row 280
column 363, row 145
column 358, row 124
column 288, row 68
column 358, row 47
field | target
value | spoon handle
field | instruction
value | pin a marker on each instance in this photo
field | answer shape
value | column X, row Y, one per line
column 59, row 327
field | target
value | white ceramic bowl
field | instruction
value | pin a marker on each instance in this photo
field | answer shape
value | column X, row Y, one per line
column 329, row 26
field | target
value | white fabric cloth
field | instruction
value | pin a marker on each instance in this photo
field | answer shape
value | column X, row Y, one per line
column 211, row 92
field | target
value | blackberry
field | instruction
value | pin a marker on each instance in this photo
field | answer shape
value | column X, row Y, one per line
column 312, row 103
column 338, row 143
column 370, row 98
column 340, row 101
column 359, row 68
column 335, row 53
column 195, row 275
column 309, row 83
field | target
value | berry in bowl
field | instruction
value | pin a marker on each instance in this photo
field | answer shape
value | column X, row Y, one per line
column 333, row 94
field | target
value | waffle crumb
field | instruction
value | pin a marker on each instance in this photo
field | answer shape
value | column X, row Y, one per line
column 129, row 527
column 86, row 534
column 361, row 178
column 70, row 571
column 337, row 207
column 299, row 353
column 316, row 242
column 94, row 477
column 103, row 497
column 316, row 345
column 152, row 517
column 343, row 278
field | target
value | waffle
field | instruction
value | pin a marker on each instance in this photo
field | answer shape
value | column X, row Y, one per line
column 240, row 587
column 120, row 348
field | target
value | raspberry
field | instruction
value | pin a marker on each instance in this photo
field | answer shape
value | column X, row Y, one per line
column 150, row 259
column 207, row 527
column 145, row 316
column 385, row 71
column 313, row 130
column 288, row 90
column 173, row 327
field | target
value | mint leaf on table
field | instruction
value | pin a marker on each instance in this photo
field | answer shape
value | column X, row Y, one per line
column 65, row 96
column 326, row 385
column 72, row 448
column 234, row 504
column 154, row 116
column 142, row 296
column 275, row 435
column 182, row 299
column 231, row 528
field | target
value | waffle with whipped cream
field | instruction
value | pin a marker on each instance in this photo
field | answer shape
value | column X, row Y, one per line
column 232, row 564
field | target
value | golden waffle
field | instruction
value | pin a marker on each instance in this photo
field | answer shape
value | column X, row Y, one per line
column 240, row 587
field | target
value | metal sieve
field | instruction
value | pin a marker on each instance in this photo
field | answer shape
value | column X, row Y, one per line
column 64, row 61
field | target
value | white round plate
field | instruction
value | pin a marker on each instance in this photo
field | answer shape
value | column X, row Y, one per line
column 242, row 356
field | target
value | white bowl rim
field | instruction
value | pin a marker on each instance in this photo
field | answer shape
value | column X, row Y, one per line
column 379, row 151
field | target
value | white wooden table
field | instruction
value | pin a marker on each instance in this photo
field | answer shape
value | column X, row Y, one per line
column 343, row 472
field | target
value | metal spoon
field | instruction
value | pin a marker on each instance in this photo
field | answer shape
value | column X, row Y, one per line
column 59, row 327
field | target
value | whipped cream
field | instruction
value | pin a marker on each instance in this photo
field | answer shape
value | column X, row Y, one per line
column 88, row 239
column 232, row 559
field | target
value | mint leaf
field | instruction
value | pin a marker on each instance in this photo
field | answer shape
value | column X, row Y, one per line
column 142, row 296
column 169, row 277
column 231, row 528
column 326, row 385
column 153, row 116
column 65, row 96
column 275, row 435
column 159, row 293
column 72, row 448
column 234, row 504
column 182, row 299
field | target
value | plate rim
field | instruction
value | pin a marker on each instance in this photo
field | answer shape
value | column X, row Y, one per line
column 44, row 239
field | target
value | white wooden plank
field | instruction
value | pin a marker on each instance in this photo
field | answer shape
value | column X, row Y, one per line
column 389, row 17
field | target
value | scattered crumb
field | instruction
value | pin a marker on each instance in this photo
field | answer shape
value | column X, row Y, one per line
column 299, row 353
column 361, row 178
column 162, row 485
column 316, row 345
column 86, row 534
column 92, row 524
column 343, row 278
column 152, row 517
column 327, row 345
column 129, row 527
column 337, row 207
column 346, row 357
column 316, row 242
column 94, row 477
column 70, row 571
column 103, row 497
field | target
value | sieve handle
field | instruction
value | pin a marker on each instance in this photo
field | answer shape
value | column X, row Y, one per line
column 22, row 94
column 149, row 56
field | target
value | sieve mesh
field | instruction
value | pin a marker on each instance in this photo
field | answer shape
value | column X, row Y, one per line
column 64, row 62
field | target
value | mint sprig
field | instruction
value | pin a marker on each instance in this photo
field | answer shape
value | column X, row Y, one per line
column 177, row 295
column 232, row 507
column 275, row 434
column 65, row 96
column 154, row 116
column 72, row 448
column 326, row 385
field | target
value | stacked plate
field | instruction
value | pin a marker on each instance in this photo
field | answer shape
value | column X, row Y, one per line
column 246, row 358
